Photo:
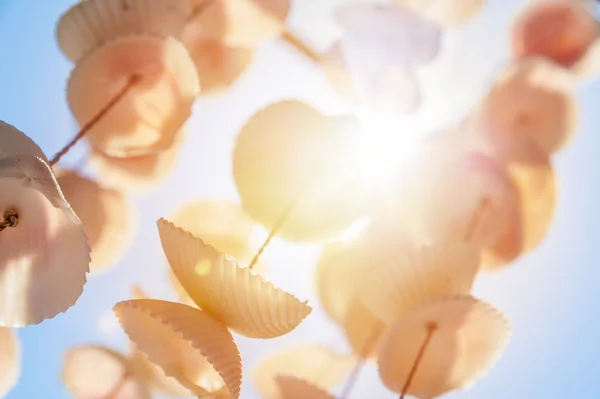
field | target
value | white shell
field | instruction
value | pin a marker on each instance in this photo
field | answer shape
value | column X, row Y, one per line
column 91, row 23
column 15, row 142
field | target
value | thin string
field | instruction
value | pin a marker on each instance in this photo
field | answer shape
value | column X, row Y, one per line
column 199, row 9
column 476, row 218
column 431, row 328
column 300, row 46
column 11, row 219
column 364, row 351
column 133, row 80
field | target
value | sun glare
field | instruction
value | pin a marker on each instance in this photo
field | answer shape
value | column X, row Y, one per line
column 388, row 146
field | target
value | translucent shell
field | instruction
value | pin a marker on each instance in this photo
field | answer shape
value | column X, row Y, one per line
column 241, row 23
column 45, row 257
column 232, row 294
column 362, row 329
column 136, row 173
column 468, row 339
column 90, row 24
column 149, row 115
column 448, row 13
column 10, row 360
column 188, row 344
column 295, row 388
column 531, row 100
column 15, row 142
column 562, row 31
column 96, row 371
column 416, row 275
column 311, row 363
column 291, row 159
column 104, row 214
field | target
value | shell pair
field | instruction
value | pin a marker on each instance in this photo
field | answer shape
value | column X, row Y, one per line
column 193, row 343
column 44, row 252
column 385, row 290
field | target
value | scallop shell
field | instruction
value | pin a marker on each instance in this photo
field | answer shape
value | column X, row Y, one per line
column 45, row 257
column 232, row 294
column 291, row 160
column 89, row 24
column 148, row 116
column 295, row 388
column 468, row 339
column 188, row 344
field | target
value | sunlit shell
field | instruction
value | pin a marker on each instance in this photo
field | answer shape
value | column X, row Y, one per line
column 241, row 23
column 290, row 159
column 105, row 215
column 147, row 118
column 468, row 340
column 91, row 371
column 44, row 259
column 232, row 294
column 311, row 363
column 10, row 360
column 463, row 193
column 412, row 276
column 153, row 376
column 559, row 30
column 362, row 329
column 224, row 225
column 388, row 34
column 89, row 24
column 531, row 100
column 185, row 342
column 15, row 142
column 448, row 13
column 218, row 64
column 291, row 387
column 134, row 173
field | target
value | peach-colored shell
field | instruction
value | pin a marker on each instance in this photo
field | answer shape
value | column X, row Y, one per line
column 560, row 30
column 91, row 371
column 89, row 24
column 15, row 142
column 136, row 173
column 311, row 363
column 44, row 259
column 448, row 13
column 153, row 110
column 363, row 331
column 105, row 215
column 469, row 339
column 218, row 65
column 241, row 23
column 290, row 156
column 446, row 200
column 188, row 344
column 291, row 387
column 531, row 100
column 232, row 294
column 10, row 360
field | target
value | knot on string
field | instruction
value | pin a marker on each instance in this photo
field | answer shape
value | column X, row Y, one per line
column 11, row 219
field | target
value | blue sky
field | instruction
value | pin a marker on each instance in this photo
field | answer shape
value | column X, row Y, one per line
column 550, row 295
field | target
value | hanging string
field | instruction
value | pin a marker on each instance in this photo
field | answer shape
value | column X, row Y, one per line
column 133, row 80
column 11, row 219
column 431, row 328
